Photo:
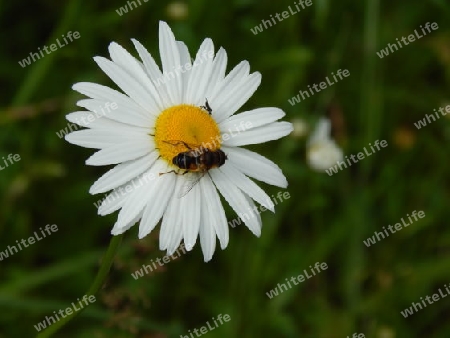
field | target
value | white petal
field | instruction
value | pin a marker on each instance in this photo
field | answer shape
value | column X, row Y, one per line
column 134, row 205
column 123, row 173
column 127, row 110
column 114, row 201
column 233, row 79
column 185, row 59
column 247, row 185
column 149, row 62
column 256, row 166
column 91, row 120
column 119, row 229
column 123, row 152
column 256, row 214
column 168, row 224
column 153, row 72
column 159, row 197
column 171, row 233
column 234, row 98
column 124, row 59
column 128, row 84
column 190, row 209
column 207, row 234
column 120, row 114
column 217, row 218
column 144, row 195
column 92, row 138
column 170, row 59
column 237, row 200
column 200, row 73
column 270, row 132
column 251, row 119
column 178, row 248
column 217, row 72
column 101, row 138
column 120, row 195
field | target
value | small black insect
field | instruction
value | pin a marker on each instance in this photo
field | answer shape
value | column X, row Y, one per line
column 207, row 107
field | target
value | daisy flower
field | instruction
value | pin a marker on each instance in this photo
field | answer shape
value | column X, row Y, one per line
column 322, row 150
column 175, row 140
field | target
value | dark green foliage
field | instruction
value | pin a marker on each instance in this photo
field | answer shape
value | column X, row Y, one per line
column 325, row 220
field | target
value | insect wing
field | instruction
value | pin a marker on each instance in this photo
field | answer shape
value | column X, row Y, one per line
column 189, row 184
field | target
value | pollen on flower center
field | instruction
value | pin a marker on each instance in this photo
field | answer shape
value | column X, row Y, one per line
column 183, row 126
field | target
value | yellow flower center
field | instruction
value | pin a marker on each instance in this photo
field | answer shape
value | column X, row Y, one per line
column 183, row 128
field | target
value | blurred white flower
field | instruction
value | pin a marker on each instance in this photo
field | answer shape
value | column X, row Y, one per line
column 322, row 150
column 301, row 128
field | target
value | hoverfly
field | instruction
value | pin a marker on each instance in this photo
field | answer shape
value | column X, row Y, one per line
column 198, row 160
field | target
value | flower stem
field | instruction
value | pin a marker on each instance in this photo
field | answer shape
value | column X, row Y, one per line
column 95, row 287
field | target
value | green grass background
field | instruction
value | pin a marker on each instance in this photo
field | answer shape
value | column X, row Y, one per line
column 325, row 220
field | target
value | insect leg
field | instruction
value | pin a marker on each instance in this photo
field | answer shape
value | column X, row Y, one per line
column 174, row 143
